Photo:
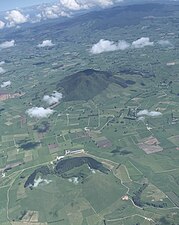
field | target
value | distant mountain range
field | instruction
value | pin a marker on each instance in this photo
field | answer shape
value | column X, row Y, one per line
column 62, row 9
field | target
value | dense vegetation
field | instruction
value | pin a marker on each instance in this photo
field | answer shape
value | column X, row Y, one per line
column 68, row 164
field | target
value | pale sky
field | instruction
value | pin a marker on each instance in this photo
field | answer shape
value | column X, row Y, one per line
column 11, row 4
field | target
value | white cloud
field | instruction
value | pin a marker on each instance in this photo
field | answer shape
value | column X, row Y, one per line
column 52, row 12
column 41, row 181
column 86, row 4
column 145, row 112
column 54, row 98
column 68, row 7
column 142, row 42
column 45, row 43
column 2, row 24
column 6, row 84
column 2, row 63
column 108, row 46
column 7, row 44
column 165, row 43
column 72, row 4
column 39, row 112
column 15, row 17
column 61, row 8
column 74, row 180
column 2, row 70
column 141, row 118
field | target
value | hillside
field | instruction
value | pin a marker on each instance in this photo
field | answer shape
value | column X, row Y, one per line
column 86, row 84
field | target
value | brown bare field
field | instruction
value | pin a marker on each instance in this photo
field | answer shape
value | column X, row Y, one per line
column 150, row 145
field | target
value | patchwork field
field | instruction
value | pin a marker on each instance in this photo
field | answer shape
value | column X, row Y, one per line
column 118, row 108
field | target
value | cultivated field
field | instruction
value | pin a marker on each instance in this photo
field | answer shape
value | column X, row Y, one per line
column 132, row 130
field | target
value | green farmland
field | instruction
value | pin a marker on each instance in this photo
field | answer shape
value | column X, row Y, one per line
column 106, row 150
